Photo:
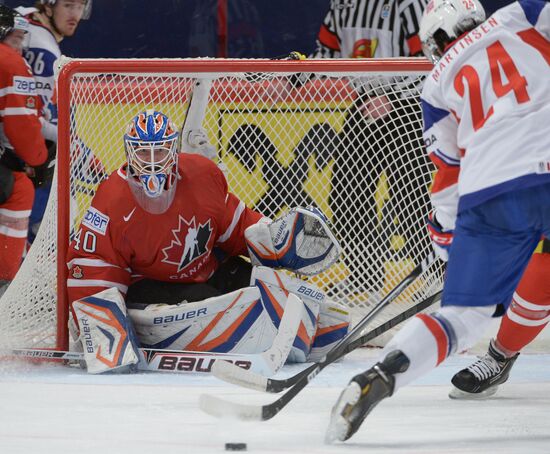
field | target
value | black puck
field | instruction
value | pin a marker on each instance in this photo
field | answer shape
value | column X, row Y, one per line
column 235, row 446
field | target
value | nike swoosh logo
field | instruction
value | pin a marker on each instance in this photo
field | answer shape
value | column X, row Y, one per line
column 127, row 218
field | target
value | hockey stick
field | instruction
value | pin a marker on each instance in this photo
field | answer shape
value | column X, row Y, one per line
column 221, row 408
column 267, row 362
column 196, row 109
column 176, row 361
column 232, row 374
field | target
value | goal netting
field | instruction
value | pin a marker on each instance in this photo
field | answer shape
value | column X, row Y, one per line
column 342, row 135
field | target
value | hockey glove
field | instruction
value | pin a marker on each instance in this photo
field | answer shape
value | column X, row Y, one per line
column 197, row 142
column 441, row 239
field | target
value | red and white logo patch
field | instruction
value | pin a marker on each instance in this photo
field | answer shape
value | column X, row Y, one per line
column 190, row 242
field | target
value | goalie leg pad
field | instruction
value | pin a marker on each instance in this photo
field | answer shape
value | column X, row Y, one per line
column 274, row 286
column 232, row 323
column 106, row 332
column 244, row 321
column 333, row 326
column 300, row 241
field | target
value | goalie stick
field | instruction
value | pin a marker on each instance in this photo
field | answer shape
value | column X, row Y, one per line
column 267, row 362
column 229, row 373
column 196, row 109
column 221, row 408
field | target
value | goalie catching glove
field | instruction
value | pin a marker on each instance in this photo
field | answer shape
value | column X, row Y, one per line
column 299, row 241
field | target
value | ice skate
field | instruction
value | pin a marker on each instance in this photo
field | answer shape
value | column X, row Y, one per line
column 481, row 379
column 362, row 394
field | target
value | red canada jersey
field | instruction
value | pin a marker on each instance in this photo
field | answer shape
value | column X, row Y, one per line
column 20, row 128
column 118, row 242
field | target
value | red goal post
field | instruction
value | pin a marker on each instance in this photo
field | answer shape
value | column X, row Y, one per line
column 279, row 127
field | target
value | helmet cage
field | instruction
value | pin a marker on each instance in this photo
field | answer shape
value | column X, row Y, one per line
column 152, row 163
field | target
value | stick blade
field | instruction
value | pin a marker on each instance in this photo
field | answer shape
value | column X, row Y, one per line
column 288, row 328
column 221, row 408
column 236, row 375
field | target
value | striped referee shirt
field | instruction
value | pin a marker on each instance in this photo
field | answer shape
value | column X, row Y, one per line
column 374, row 29
column 371, row 29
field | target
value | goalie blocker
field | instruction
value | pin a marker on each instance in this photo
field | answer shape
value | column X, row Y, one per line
column 244, row 321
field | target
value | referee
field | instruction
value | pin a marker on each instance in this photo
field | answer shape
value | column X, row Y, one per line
column 382, row 133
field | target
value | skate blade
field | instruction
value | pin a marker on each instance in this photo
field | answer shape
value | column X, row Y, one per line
column 458, row 394
column 339, row 427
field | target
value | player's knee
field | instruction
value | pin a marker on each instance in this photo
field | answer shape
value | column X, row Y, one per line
column 534, row 287
column 465, row 325
column 534, row 310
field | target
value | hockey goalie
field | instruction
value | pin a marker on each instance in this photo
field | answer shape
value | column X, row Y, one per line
column 166, row 257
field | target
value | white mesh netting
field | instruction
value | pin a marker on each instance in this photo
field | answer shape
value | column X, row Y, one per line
column 286, row 140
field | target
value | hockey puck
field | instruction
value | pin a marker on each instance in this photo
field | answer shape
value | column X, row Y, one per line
column 235, row 446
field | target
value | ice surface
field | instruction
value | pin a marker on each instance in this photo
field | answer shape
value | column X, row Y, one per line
column 56, row 409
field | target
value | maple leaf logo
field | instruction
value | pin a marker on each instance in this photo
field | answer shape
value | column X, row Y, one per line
column 189, row 243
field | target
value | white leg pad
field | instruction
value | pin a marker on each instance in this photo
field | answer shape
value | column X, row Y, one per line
column 235, row 322
column 273, row 282
column 333, row 325
column 106, row 332
column 243, row 321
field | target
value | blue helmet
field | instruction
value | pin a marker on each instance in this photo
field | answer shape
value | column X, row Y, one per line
column 151, row 145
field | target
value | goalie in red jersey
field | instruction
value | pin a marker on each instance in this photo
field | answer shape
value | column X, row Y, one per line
column 162, row 239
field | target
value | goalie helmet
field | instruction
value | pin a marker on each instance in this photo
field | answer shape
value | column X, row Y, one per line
column 151, row 144
column 11, row 20
column 444, row 21
column 87, row 8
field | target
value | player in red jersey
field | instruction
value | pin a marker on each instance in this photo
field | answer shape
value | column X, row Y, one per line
column 163, row 236
column 21, row 142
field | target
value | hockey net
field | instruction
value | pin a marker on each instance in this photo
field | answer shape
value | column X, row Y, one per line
column 288, row 133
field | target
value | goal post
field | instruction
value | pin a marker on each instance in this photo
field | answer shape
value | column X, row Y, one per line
column 288, row 132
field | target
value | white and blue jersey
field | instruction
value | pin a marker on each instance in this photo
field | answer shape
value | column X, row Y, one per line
column 42, row 54
column 486, row 108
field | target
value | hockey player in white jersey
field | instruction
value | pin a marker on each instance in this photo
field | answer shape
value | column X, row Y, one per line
column 486, row 105
column 50, row 22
